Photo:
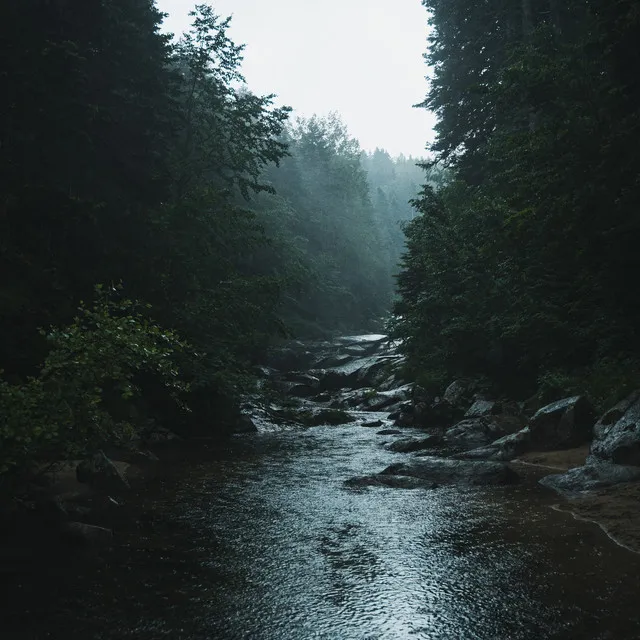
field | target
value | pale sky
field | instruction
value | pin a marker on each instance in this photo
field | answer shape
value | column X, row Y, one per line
column 361, row 58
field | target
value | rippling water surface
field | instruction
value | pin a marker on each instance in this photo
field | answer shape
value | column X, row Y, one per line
column 267, row 544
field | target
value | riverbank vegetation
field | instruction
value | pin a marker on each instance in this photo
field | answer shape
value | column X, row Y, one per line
column 521, row 269
column 210, row 221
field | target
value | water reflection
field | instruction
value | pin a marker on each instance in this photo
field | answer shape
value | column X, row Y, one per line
column 267, row 543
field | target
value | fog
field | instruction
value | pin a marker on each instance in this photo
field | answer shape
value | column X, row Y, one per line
column 361, row 58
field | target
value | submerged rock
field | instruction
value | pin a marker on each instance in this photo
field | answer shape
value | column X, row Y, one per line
column 450, row 471
column 591, row 476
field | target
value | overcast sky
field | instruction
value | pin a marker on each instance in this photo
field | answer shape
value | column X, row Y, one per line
column 361, row 58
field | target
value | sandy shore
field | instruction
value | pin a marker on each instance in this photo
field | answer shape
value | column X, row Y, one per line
column 616, row 510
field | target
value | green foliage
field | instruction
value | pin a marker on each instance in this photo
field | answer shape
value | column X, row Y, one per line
column 338, row 242
column 63, row 411
column 520, row 268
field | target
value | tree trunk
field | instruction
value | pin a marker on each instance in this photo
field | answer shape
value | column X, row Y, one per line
column 554, row 13
column 527, row 19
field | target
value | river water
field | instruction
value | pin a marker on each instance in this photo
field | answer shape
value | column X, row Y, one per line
column 262, row 541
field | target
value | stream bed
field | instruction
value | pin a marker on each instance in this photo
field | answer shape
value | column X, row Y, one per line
column 265, row 543
column 261, row 539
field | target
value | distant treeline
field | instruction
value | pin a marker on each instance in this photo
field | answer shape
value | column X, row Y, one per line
column 523, row 269
column 212, row 224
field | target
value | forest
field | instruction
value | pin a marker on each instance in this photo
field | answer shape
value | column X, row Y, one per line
column 521, row 270
column 161, row 225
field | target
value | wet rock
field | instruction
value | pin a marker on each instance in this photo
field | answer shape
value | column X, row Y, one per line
column 481, row 408
column 451, row 471
column 459, row 392
column 264, row 372
column 388, row 432
column 563, row 424
column 478, row 432
column 302, row 378
column 358, row 398
column 617, row 433
column 331, row 417
column 504, row 449
column 386, row 398
column 372, row 423
column 244, row 424
column 591, row 476
column 332, row 380
column 294, row 357
column 439, row 414
column 329, row 362
column 302, row 391
column 404, row 419
column 101, row 474
column 409, row 445
column 81, row 534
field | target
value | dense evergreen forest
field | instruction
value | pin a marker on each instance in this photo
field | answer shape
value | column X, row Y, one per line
column 521, row 270
column 161, row 225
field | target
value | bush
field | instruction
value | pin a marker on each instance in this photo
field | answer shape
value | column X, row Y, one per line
column 62, row 413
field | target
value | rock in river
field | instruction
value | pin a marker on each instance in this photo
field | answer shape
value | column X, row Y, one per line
column 591, row 476
column 408, row 445
column 445, row 471
column 481, row 431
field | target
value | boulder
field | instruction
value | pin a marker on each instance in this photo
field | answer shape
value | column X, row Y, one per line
column 101, row 474
column 450, row 471
column 617, row 433
column 459, row 392
column 373, row 423
column 386, row 398
column 438, row 414
column 472, row 433
column 563, row 424
column 388, row 432
column 330, row 417
column 504, row 449
column 481, row 408
column 409, row 445
column 404, row 419
column 591, row 476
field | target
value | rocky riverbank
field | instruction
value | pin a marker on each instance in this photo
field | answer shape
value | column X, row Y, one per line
column 592, row 461
column 460, row 437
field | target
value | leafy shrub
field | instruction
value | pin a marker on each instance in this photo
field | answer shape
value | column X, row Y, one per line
column 62, row 413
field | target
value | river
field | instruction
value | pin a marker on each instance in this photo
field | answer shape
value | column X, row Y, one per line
column 261, row 540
